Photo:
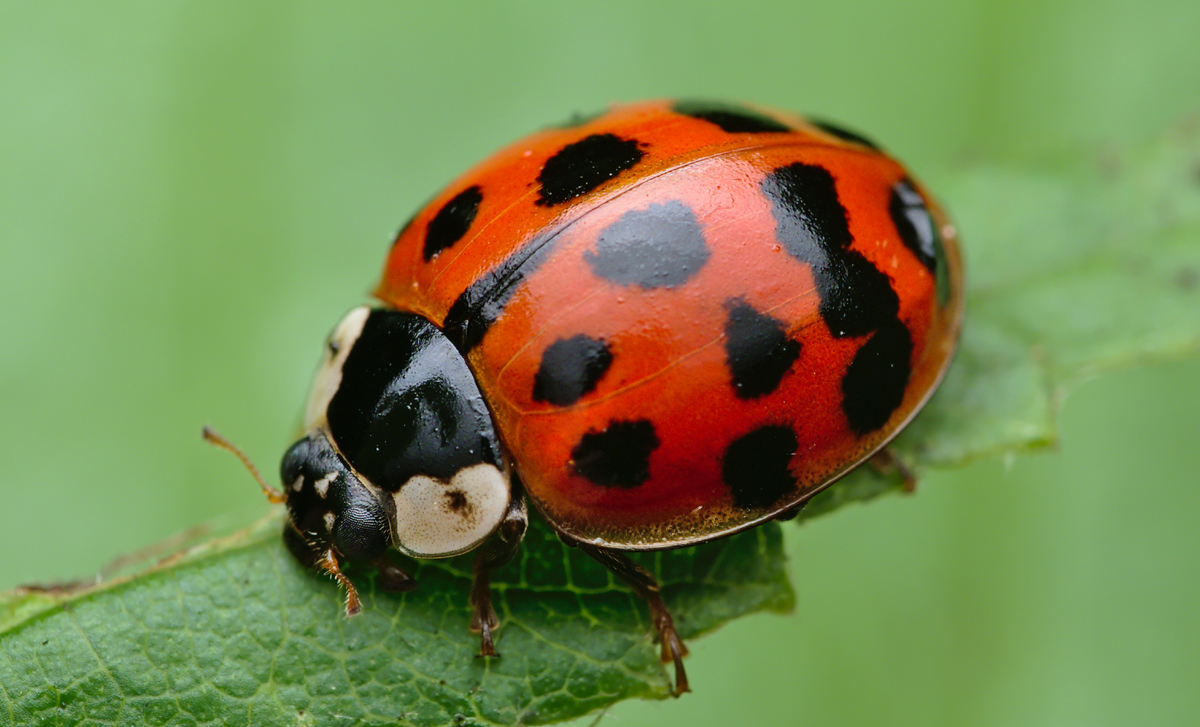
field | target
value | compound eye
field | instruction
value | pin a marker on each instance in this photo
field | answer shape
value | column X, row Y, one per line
column 362, row 531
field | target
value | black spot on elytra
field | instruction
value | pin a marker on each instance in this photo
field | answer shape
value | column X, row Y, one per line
column 755, row 467
column 661, row 246
column 478, row 307
column 914, row 224
column 732, row 119
column 810, row 219
column 856, row 297
column 618, row 455
column 570, row 368
column 812, row 225
column 578, row 168
column 920, row 234
column 757, row 350
column 844, row 134
column 452, row 221
column 876, row 379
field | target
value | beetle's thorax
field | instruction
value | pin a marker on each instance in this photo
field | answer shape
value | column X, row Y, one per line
column 400, row 439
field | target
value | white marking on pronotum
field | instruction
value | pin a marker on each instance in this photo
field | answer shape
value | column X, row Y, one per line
column 322, row 484
column 329, row 375
column 435, row 518
column 298, row 484
column 330, row 518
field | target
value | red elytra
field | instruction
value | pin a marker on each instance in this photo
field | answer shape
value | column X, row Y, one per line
column 687, row 318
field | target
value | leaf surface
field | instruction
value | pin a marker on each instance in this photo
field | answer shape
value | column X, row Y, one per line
column 238, row 633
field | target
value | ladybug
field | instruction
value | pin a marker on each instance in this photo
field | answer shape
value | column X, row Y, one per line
column 660, row 325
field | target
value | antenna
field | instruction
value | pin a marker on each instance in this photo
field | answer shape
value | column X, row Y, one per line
column 217, row 440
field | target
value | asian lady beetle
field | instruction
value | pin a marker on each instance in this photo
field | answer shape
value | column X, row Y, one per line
column 663, row 325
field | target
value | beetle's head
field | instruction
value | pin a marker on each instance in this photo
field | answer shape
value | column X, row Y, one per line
column 331, row 514
column 329, row 506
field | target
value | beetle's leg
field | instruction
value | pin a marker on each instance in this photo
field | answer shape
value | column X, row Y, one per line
column 792, row 512
column 496, row 552
column 323, row 560
column 392, row 578
column 328, row 563
column 886, row 462
column 643, row 584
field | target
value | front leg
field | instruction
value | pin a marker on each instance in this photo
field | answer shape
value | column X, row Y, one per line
column 391, row 577
column 322, row 559
column 643, row 584
column 496, row 552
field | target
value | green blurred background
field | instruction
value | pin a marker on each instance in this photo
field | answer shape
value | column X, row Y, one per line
column 191, row 193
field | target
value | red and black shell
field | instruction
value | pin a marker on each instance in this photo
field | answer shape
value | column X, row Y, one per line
column 686, row 318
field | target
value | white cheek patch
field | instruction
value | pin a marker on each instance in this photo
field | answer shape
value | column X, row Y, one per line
column 437, row 519
column 322, row 485
column 329, row 374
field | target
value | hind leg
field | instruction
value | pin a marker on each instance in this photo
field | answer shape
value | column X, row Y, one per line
column 643, row 584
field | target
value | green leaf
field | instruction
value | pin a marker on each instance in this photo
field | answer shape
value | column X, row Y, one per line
column 237, row 633
column 1073, row 267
